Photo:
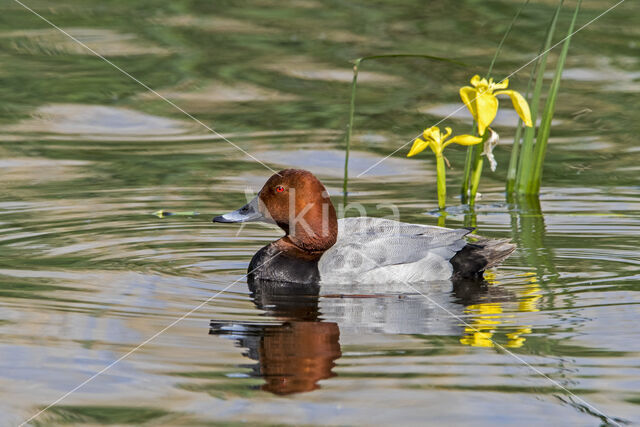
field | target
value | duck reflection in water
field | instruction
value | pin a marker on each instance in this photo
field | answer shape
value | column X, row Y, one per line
column 292, row 355
column 301, row 348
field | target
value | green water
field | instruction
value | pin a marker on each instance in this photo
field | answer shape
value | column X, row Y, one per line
column 87, row 273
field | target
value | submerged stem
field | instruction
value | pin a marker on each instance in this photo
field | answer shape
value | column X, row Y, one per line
column 471, row 218
column 442, row 219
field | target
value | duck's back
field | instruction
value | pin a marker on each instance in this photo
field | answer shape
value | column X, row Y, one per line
column 375, row 250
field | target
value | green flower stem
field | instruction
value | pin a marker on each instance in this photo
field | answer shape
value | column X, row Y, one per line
column 478, row 163
column 471, row 150
column 442, row 181
column 468, row 163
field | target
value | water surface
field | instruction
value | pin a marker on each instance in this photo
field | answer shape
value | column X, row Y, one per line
column 87, row 273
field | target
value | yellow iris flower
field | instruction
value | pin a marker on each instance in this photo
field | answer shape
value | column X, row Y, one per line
column 481, row 100
column 437, row 141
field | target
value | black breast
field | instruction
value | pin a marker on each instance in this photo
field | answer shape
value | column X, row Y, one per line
column 269, row 263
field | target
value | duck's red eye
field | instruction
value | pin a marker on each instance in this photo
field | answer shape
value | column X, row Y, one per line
column 280, row 189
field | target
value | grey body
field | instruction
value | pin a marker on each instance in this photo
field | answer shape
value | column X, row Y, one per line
column 376, row 250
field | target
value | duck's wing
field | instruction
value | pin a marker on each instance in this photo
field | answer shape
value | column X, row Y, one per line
column 365, row 244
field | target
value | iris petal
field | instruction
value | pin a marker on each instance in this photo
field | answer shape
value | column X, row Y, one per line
column 468, row 95
column 464, row 140
column 519, row 104
column 430, row 133
column 501, row 85
column 418, row 146
column 487, row 106
column 436, row 136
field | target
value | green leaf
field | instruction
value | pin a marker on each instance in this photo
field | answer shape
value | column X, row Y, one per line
column 526, row 162
column 533, row 186
column 515, row 150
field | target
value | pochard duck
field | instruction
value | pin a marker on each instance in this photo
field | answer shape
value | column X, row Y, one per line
column 320, row 248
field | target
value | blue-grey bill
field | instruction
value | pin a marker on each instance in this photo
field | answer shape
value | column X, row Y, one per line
column 247, row 213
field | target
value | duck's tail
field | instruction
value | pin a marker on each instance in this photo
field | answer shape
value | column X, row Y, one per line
column 472, row 260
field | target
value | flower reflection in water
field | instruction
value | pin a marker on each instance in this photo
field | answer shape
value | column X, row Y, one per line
column 489, row 316
column 298, row 343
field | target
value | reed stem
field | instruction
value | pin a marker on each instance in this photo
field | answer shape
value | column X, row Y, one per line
column 525, row 161
column 513, row 159
column 442, row 219
column 352, row 103
column 517, row 143
column 533, row 186
column 478, row 163
column 468, row 163
column 352, row 109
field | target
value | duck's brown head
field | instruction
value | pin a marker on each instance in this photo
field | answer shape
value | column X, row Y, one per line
column 297, row 202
